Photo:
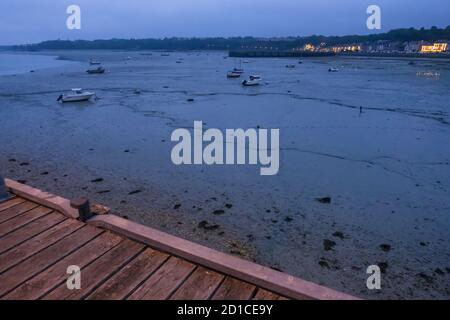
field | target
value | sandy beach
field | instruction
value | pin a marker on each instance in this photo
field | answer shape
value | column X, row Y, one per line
column 373, row 138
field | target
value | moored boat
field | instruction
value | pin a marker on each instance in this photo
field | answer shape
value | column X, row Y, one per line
column 255, row 77
column 233, row 74
column 93, row 62
column 96, row 70
column 333, row 70
column 76, row 95
column 251, row 83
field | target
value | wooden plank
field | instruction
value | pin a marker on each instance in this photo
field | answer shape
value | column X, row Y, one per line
column 23, row 219
column 52, row 277
column 10, row 203
column 164, row 281
column 99, row 271
column 129, row 277
column 38, row 243
column 234, row 289
column 14, row 277
column 16, row 210
column 262, row 294
column 40, row 225
column 279, row 282
column 199, row 286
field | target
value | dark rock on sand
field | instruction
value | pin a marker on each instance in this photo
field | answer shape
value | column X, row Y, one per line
column 425, row 277
column 24, row 164
column 324, row 264
column 177, row 206
column 328, row 244
column 228, row 206
column 134, row 192
column 339, row 235
column 288, row 219
column 210, row 227
column 383, row 266
column 219, row 212
column 385, row 247
column 325, row 200
column 97, row 180
column 439, row 272
column 104, row 191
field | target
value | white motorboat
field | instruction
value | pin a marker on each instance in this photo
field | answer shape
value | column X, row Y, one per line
column 255, row 77
column 93, row 62
column 251, row 83
column 333, row 70
column 76, row 95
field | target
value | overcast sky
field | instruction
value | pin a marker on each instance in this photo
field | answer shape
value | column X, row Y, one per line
column 29, row 21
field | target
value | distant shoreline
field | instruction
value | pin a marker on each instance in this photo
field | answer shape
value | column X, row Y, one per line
column 305, row 54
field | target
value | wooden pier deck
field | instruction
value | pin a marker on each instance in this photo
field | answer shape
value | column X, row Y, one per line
column 41, row 235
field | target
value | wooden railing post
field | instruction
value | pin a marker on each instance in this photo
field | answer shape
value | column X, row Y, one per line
column 83, row 207
column 4, row 194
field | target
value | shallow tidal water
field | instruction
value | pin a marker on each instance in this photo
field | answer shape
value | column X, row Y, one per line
column 386, row 167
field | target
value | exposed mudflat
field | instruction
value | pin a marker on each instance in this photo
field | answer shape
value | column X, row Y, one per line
column 356, row 186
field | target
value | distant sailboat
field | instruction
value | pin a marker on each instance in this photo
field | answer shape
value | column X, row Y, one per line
column 239, row 70
column 233, row 74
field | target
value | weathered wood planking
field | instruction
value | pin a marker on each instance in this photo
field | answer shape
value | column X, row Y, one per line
column 34, row 228
column 9, row 203
column 199, row 286
column 124, row 282
column 55, row 275
column 38, row 243
column 165, row 281
column 42, row 260
column 233, row 289
column 23, row 219
column 16, row 210
column 99, row 271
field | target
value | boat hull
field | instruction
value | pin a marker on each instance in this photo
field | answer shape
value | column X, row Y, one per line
column 77, row 98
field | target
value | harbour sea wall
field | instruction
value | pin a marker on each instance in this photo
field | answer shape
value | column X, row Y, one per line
column 278, row 54
column 299, row 54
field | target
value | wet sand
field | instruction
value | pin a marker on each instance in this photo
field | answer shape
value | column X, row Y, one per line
column 386, row 169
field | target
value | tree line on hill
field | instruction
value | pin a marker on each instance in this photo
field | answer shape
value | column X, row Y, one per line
column 237, row 43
